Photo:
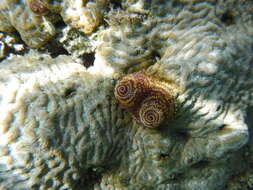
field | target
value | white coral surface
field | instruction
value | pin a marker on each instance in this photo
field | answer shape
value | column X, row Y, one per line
column 62, row 128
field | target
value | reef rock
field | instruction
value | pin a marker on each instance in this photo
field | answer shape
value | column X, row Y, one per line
column 34, row 19
column 61, row 126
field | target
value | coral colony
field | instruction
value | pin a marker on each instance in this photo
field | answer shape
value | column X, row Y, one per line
column 126, row 95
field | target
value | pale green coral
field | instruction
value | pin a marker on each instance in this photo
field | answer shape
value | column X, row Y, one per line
column 61, row 127
column 76, row 43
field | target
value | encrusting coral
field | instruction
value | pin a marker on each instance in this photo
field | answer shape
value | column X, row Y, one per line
column 65, row 126
column 48, row 97
column 35, row 29
column 34, row 19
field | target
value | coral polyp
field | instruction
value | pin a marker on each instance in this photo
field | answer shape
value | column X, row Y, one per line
column 126, row 95
column 146, row 98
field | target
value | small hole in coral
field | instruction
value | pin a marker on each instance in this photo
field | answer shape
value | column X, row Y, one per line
column 249, row 118
column 60, row 51
column 49, row 183
column 180, row 133
column 155, row 55
column 88, row 59
column 54, row 48
column 218, row 108
column 176, row 3
column 60, row 24
column 35, row 186
column 222, row 126
column 163, row 156
column 175, row 177
column 90, row 177
column 200, row 164
column 116, row 4
column 228, row 18
column 69, row 92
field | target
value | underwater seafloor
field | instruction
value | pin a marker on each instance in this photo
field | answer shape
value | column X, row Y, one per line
column 126, row 94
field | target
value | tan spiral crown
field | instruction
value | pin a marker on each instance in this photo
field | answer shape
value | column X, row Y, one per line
column 38, row 7
column 146, row 98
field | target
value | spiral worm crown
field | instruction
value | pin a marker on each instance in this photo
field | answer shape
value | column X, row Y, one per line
column 152, row 111
column 125, row 92
column 38, row 7
column 146, row 98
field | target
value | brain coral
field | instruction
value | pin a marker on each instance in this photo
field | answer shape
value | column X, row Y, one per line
column 48, row 99
column 62, row 127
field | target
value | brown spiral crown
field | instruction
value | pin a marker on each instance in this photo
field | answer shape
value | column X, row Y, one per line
column 131, row 89
column 149, row 102
column 39, row 7
column 152, row 111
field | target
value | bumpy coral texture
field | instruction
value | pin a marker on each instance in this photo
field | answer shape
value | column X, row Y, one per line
column 54, row 130
column 34, row 19
column 61, row 127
